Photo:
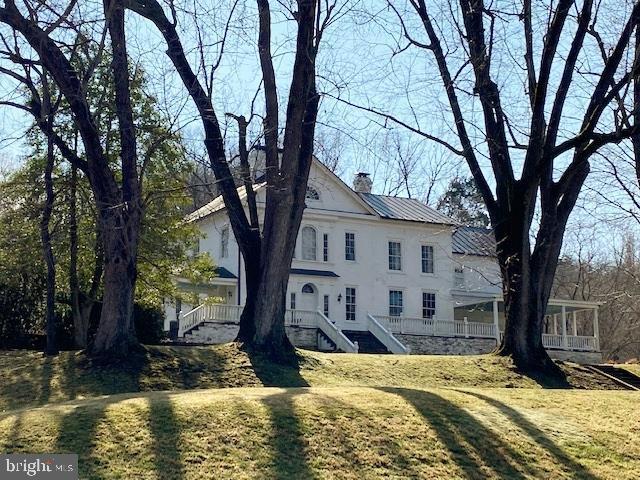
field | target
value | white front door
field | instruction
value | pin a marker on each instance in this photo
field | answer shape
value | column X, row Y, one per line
column 309, row 297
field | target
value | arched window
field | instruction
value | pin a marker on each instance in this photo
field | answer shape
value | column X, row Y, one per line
column 308, row 243
column 312, row 194
column 308, row 288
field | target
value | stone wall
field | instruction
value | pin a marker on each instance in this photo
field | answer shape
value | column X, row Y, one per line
column 216, row 333
column 426, row 345
column 577, row 357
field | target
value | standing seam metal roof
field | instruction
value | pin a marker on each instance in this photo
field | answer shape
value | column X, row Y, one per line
column 409, row 209
column 474, row 241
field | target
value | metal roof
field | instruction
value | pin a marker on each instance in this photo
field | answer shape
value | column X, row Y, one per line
column 315, row 273
column 409, row 209
column 474, row 241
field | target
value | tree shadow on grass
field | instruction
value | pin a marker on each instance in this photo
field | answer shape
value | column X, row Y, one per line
column 474, row 448
column 165, row 430
column 290, row 447
column 272, row 374
column 578, row 470
column 46, row 373
column 77, row 432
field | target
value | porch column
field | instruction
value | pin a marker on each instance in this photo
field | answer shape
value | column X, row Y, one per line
column 555, row 324
column 496, row 323
column 574, row 328
column 563, row 317
column 596, row 329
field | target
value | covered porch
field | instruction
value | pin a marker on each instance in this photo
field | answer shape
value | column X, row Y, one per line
column 570, row 325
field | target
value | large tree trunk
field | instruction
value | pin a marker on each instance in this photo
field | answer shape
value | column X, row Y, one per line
column 116, row 336
column 51, row 346
column 80, row 329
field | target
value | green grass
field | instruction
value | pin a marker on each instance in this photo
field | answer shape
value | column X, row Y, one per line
column 215, row 412
column 346, row 432
column 28, row 379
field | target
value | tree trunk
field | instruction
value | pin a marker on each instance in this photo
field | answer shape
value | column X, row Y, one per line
column 52, row 346
column 116, row 336
column 80, row 328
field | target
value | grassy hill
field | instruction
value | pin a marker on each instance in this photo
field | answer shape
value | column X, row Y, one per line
column 336, row 416
column 29, row 379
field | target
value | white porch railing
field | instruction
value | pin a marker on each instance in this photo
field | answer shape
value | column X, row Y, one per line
column 296, row 318
column 217, row 313
column 573, row 342
column 386, row 337
column 335, row 335
column 431, row 326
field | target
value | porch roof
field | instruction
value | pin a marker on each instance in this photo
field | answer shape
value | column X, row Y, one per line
column 313, row 273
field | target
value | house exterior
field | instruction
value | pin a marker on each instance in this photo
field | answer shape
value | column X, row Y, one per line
column 373, row 273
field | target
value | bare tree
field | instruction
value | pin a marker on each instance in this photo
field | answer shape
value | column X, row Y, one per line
column 549, row 139
column 267, row 252
column 117, row 194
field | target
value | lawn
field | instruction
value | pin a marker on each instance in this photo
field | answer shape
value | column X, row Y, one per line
column 336, row 416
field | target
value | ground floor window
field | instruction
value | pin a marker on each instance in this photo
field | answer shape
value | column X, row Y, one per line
column 428, row 305
column 292, row 303
column 395, row 303
column 350, row 303
column 325, row 306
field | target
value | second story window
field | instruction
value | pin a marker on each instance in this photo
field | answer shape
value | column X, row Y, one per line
column 308, row 243
column 427, row 259
column 395, row 256
column 395, row 303
column 350, row 246
column 224, row 242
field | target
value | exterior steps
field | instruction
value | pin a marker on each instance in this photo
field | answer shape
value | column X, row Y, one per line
column 367, row 342
column 619, row 375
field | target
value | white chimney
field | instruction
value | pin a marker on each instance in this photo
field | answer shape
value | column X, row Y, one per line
column 362, row 183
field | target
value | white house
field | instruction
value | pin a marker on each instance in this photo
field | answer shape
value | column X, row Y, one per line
column 373, row 273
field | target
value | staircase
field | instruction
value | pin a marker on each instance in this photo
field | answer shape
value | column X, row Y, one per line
column 619, row 375
column 367, row 342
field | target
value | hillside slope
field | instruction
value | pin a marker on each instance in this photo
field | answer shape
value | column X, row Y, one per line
column 29, row 379
column 341, row 433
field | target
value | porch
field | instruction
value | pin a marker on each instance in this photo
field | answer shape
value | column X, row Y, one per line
column 569, row 325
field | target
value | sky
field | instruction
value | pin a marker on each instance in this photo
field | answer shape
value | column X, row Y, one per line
column 362, row 60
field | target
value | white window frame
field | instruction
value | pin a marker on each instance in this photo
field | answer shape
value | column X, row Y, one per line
column 400, row 305
column 398, row 256
column 424, row 308
column 304, row 249
column 354, row 247
column 347, row 311
column 292, row 300
column 325, row 247
column 326, row 305
column 422, row 259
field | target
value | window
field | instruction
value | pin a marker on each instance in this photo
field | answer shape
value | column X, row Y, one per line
column 458, row 276
column 224, row 242
column 395, row 303
column 308, row 288
column 292, row 302
column 325, row 305
column 350, row 303
column 350, row 246
column 325, row 247
column 308, row 243
column 428, row 305
column 312, row 194
column 427, row 259
column 395, row 256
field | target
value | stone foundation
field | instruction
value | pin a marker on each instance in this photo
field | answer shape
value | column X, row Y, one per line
column 577, row 357
column 427, row 345
column 216, row 333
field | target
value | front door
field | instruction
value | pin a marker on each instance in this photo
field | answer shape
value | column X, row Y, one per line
column 309, row 298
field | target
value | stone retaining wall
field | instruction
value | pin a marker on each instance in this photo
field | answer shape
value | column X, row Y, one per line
column 426, row 345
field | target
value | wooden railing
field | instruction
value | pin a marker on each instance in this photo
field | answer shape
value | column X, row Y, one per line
column 296, row 318
column 385, row 336
column 431, row 326
column 573, row 342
